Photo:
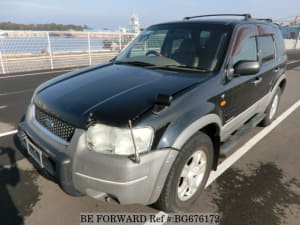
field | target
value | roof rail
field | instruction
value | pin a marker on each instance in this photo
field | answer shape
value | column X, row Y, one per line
column 246, row 16
column 266, row 19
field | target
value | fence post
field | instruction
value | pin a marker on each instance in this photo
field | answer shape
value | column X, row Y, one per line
column 50, row 51
column 2, row 63
column 298, row 36
column 120, row 41
column 89, row 46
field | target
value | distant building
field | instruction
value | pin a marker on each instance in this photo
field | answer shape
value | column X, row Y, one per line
column 135, row 24
column 3, row 34
column 122, row 30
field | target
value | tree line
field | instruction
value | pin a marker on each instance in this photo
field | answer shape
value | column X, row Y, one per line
column 42, row 27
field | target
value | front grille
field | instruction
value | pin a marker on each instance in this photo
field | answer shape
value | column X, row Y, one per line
column 54, row 125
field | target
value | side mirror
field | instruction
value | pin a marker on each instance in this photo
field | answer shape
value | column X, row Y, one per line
column 244, row 68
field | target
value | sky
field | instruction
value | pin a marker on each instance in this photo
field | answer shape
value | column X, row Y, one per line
column 100, row 14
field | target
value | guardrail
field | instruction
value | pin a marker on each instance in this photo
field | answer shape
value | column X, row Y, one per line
column 22, row 51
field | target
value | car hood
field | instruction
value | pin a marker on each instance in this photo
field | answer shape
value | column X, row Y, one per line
column 111, row 94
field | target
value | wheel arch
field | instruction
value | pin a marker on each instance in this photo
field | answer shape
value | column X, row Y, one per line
column 210, row 125
column 282, row 85
column 213, row 131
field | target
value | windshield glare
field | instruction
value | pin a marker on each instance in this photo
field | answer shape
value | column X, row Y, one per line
column 196, row 46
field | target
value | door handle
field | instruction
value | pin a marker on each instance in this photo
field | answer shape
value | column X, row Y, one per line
column 257, row 80
column 276, row 70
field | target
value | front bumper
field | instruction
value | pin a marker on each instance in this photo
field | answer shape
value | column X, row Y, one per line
column 79, row 170
column 124, row 180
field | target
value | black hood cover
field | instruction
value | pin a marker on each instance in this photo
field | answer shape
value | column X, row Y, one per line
column 112, row 94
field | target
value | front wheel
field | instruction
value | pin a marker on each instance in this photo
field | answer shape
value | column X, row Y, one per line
column 188, row 175
column 272, row 109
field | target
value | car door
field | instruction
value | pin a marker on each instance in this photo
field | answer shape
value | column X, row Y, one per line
column 267, row 68
column 240, row 91
column 267, row 53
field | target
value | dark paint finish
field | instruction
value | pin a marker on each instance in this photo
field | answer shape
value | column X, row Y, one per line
column 113, row 94
column 246, row 68
column 199, row 101
column 243, row 91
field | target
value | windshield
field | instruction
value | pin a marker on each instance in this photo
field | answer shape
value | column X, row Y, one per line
column 199, row 47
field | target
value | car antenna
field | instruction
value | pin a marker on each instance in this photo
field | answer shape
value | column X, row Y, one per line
column 136, row 155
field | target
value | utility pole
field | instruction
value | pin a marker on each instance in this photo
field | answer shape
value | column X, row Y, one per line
column 295, row 20
column 49, row 49
column 297, row 40
column 89, row 49
column 2, row 63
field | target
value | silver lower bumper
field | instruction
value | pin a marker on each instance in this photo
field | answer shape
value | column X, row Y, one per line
column 99, row 175
column 121, row 178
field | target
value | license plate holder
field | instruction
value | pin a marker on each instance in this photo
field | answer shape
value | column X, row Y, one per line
column 34, row 152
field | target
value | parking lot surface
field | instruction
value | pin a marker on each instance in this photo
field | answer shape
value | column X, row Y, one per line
column 262, row 187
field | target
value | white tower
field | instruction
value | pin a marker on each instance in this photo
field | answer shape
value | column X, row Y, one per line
column 135, row 23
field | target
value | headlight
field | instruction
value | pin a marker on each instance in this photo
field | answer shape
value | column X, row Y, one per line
column 113, row 140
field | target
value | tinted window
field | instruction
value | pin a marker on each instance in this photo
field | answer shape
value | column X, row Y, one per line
column 266, row 46
column 204, row 37
column 197, row 47
column 177, row 37
column 148, row 43
column 247, row 51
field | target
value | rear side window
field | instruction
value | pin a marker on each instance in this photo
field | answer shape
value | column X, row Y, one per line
column 266, row 48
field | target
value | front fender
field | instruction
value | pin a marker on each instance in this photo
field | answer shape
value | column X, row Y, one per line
column 187, row 124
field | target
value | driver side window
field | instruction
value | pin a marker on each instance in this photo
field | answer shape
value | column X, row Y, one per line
column 246, row 51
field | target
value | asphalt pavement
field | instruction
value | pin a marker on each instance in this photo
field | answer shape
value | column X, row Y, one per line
column 262, row 187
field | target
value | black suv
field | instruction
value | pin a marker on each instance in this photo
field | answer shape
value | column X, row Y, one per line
column 149, row 126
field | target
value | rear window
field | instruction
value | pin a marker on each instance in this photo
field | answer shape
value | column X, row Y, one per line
column 266, row 48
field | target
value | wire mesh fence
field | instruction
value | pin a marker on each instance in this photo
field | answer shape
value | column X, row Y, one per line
column 22, row 51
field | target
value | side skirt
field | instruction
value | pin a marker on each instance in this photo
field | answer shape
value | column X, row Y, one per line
column 234, row 140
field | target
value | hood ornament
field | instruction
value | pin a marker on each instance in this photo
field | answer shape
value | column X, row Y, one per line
column 48, row 123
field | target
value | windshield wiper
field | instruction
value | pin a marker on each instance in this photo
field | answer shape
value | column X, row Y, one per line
column 189, row 67
column 153, row 66
column 135, row 63
column 184, row 67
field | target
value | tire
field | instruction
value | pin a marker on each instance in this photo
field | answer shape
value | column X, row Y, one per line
column 271, row 110
column 22, row 118
column 176, row 195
